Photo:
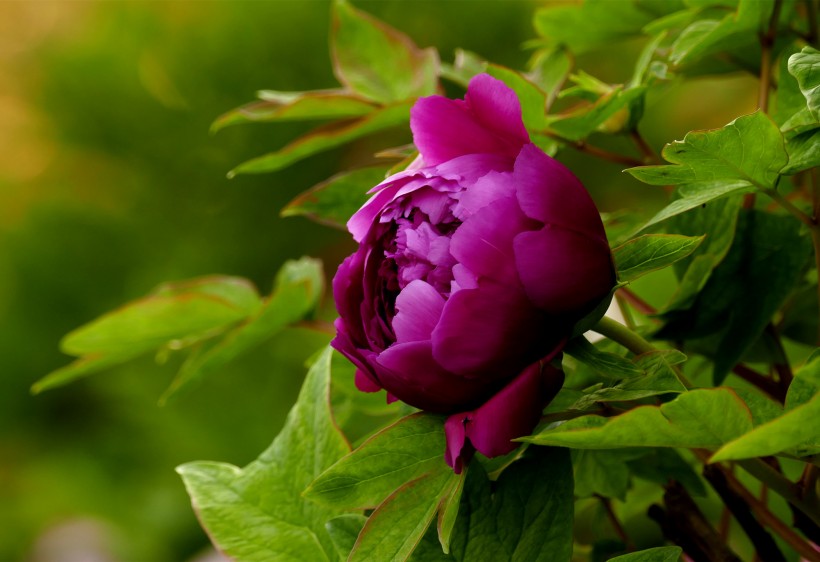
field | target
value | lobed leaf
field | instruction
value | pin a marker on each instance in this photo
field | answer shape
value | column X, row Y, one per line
column 703, row 418
column 378, row 61
column 749, row 149
column 581, row 123
column 805, row 67
column 651, row 252
column 257, row 513
column 606, row 364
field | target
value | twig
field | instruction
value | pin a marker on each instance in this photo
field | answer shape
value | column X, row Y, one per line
column 685, row 525
column 613, row 519
column 626, row 312
column 782, row 487
column 764, row 544
column 595, row 151
column 762, row 382
column 767, row 518
column 649, row 155
column 766, row 43
column 636, row 302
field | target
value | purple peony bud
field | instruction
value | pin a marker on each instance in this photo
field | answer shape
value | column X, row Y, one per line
column 474, row 265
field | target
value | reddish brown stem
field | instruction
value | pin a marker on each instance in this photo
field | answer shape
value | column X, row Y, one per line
column 762, row 382
column 637, row 302
column 613, row 520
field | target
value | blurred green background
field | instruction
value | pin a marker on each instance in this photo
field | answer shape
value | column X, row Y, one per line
column 111, row 184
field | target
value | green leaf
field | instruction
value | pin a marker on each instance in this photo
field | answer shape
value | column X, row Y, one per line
column 651, row 252
column 299, row 285
column 257, row 513
column 344, row 530
column 593, row 24
column 326, row 137
column 704, row 418
column 526, row 516
column 659, row 554
column 806, row 383
column 607, row 364
column 718, row 222
column 291, row 106
column 377, row 61
column 85, row 366
column 466, row 65
column 804, row 152
column 550, row 69
column 399, row 523
column 659, row 465
column 533, row 99
column 798, row 426
column 657, row 377
column 153, row 321
column 239, row 292
column 334, row 201
column 581, row 123
column 404, row 451
column 768, row 253
column 698, row 194
column 805, row 67
column 708, row 36
column 788, row 97
column 750, row 149
column 448, row 510
column 603, row 473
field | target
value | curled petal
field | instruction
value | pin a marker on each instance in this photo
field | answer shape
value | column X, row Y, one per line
column 490, row 332
column 418, row 309
column 484, row 242
column 513, row 412
column 563, row 271
column 488, row 121
column 408, row 371
column 549, row 192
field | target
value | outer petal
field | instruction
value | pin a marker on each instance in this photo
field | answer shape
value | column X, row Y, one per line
column 563, row 271
column 484, row 242
column 418, row 309
column 549, row 192
column 489, row 122
column 513, row 412
column 490, row 332
column 409, row 372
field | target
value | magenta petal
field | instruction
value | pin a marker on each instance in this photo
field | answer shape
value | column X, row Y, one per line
column 563, row 271
column 408, row 371
column 484, row 242
column 489, row 332
column 456, row 435
column 489, row 123
column 514, row 411
column 549, row 192
column 497, row 107
column 364, row 382
column 418, row 309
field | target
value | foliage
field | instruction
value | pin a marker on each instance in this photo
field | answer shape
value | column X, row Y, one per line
column 638, row 422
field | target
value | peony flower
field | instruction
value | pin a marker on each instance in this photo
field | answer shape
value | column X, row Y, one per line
column 473, row 267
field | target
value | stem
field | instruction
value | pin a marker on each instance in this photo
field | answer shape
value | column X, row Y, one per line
column 762, row 382
column 766, row 42
column 782, row 487
column 626, row 312
column 811, row 10
column 764, row 544
column 781, row 365
column 613, row 519
column 649, row 155
column 637, row 302
column 595, row 151
column 767, row 518
column 803, row 217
